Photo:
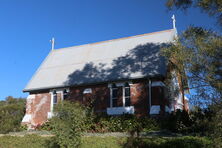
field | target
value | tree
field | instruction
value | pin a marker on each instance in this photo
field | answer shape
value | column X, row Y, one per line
column 199, row 52
column 211, row 7
column 197, row 56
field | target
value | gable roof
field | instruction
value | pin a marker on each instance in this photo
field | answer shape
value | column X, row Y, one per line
column 125, row 58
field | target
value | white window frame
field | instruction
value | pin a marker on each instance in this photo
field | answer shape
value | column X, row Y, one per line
column 111, row 96
column 121, row 84
column 125, row 97
column 122, row 109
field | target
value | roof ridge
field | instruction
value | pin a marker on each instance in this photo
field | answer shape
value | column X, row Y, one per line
column 100, row 42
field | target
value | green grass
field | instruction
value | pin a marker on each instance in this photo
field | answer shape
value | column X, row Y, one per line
column 102, row 142
column 34, row 141
column 28, row 141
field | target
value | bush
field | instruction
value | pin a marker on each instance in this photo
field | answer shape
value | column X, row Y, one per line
column 68, row 123
column 11, row 113
column 178, row 121
column 198, row 122
column 149, row 124
column 201, row 121
column 123, row 123
column 45, row 126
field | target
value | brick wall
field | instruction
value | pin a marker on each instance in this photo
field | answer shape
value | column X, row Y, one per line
column 139, row 98
column 38, row 107
column 100, row 97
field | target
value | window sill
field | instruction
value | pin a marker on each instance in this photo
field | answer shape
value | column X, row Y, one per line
column 120, row 110
column 154, row 110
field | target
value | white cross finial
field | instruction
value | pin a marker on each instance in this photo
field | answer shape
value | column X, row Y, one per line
column 53, row 43
column 174, row 21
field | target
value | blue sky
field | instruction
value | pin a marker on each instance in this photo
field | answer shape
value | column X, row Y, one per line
column 26, row 26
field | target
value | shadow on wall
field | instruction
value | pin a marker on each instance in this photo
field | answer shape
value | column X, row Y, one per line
column 143, row 60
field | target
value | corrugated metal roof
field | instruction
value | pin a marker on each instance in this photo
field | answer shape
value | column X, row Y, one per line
column 124, row 58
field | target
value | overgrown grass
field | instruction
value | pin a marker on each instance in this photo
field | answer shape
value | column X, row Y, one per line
column 34, row 141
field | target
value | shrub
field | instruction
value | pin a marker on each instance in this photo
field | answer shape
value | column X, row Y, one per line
column 46, row 126
column 201, row 121
column 23, row 127
column 123, row 123
column 198, row 122
column 149, row 124
column 68, row 123
column 11, row 113
column 178, row 121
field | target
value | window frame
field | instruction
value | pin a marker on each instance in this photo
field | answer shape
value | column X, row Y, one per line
column 52, row 93
column 112, row 88
column 126, row 86
column 65, row 93
column 55, row 97
column 123, row 85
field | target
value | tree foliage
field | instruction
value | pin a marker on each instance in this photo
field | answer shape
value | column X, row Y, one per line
column 12, row 111
column 197, row 54
column 68, row 124
column 211, row 7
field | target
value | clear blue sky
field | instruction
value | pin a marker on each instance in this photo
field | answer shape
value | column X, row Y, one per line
column 26, row 26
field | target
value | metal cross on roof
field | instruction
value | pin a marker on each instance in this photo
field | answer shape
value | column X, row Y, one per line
column 53, row 43
column 174, row 21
